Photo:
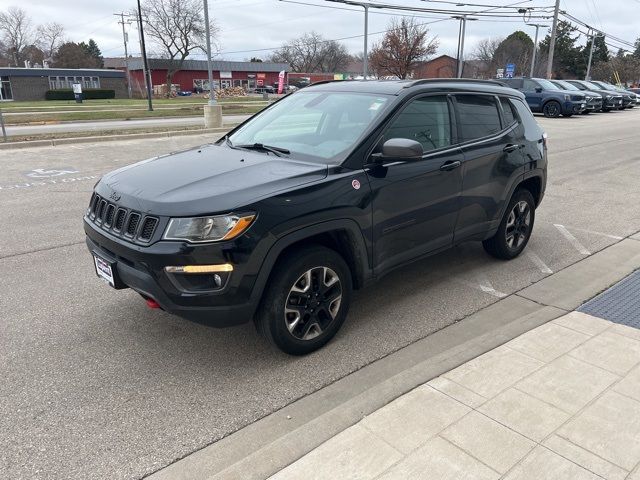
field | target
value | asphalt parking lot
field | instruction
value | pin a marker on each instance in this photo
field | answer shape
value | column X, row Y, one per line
column 95, row 385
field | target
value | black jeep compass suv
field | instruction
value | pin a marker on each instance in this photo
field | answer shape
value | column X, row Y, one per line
column 321, row 193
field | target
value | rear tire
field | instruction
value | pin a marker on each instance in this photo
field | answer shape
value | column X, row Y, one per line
column 552, row 109
column 306, row 301
column 515, row 228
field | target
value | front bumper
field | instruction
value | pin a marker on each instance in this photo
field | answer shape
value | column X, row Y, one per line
column 594, row 104
column 142, row 269
column 573, row 107
column 615, row 102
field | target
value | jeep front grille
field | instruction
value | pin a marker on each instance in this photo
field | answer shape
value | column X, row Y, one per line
column 120, row 221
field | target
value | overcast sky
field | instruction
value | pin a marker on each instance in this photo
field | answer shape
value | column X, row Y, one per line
column 248, row 26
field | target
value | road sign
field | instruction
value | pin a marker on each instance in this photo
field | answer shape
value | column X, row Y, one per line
column 500, row 73
column 510, row 70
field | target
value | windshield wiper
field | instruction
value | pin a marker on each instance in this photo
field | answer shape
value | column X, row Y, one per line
column 278, row 151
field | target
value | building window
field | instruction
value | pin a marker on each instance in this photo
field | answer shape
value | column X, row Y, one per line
column 57, row 83
column 5, row 89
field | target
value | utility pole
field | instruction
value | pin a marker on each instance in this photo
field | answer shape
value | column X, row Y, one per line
column 552, row 43
column 593, row 41
column 365, row 58
column 143, row 51
column 535, row 48
column 126, row 53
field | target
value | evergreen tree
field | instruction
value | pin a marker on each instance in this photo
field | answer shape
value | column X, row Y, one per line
column 517, row 48
column 568, row 58
column 92, row 50
column 600, row 50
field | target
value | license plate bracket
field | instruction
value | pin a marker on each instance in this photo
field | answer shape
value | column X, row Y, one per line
column 106, row 271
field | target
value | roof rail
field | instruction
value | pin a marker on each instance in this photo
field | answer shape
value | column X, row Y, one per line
column 327, row 81
column 448, row 80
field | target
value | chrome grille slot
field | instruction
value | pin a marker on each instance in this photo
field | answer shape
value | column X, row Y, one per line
column 108, row 217
column 132, row 224
column 101, row 208
column 148, row 227
column 120, row 218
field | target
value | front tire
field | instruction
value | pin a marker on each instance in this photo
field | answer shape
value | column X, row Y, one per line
column 552, row 109
column 306, row 301
column 515, row 228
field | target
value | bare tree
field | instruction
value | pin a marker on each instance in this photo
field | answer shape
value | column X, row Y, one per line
column 177, row 28
column 404, row 45
column 17, row 32
column 50, row 37
column 312, row 53
column 486, row 49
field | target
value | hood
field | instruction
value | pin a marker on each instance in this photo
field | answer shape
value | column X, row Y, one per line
column 204, row 180
column 613, row 93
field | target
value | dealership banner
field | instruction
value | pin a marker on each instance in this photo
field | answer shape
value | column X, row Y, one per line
column 281, row 81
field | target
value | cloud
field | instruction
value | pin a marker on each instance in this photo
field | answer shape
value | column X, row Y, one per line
column 247, row 27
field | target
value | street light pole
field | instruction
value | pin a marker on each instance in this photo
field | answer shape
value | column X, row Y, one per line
column 552, row 42
column 535, row 48
column 463, row 28
column 365, row 58
column 212, row 96
column 144, row 58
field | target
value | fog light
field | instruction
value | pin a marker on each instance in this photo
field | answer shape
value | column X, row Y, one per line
column 225, row 267
column 218, row 280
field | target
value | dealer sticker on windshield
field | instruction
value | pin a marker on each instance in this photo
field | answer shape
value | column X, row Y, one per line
column 104, row 271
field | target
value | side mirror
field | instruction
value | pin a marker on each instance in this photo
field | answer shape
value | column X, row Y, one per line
column 538, row 89
column 400, row 149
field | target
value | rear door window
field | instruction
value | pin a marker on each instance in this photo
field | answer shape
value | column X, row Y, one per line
column 478, row 116
column 507, row 112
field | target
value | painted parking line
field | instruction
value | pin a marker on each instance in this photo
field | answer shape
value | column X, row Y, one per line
column 481, row 282
column 544, row 268
column 593, row 232
column 573, row 240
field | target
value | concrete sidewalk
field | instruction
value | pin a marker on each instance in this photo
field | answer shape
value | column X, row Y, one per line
column 561, row 401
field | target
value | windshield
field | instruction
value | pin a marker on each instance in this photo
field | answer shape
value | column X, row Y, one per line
column 546, row 84
column 594, row 86
column 567, row 85
column 316, row 126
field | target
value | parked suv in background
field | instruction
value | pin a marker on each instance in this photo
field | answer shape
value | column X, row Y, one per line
column 594, row 100
column 628, row 98
column 547, row 98
column 636, row 92
column 319, row 194
column 611, row 99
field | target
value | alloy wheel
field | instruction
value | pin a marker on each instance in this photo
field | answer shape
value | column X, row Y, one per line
column 518, row 225
column 313, row 303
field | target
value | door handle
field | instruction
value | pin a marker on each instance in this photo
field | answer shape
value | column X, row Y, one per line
column 450, row 165
column 511, row 148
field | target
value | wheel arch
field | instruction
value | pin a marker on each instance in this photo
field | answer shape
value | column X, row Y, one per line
column 343, row 236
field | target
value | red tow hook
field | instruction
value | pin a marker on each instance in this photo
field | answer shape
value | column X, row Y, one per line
column 151, row 303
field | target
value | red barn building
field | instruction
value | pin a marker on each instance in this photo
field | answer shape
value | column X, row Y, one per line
column 193, row 74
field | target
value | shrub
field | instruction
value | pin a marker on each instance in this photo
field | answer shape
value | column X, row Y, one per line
column 88, row 94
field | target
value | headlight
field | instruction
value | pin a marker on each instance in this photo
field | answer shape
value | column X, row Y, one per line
column 207, row 229
column 609, row 97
